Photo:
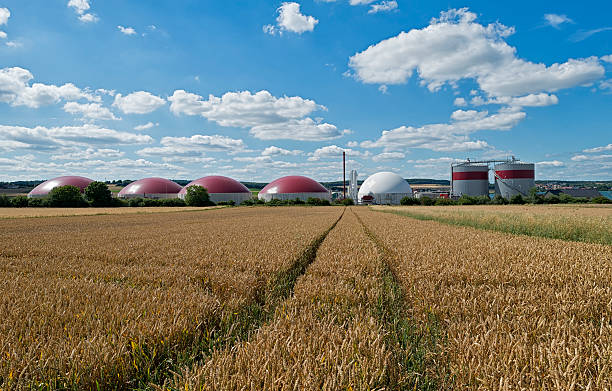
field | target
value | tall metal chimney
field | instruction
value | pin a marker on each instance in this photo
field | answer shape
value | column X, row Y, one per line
column 343, row 174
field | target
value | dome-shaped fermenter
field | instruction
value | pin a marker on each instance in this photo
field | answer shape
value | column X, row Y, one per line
column 155, row 188
column 221, row 189
column 470, row 179
column 44, row 188
column 384, row 188
column 294, row 187
column 514, row 178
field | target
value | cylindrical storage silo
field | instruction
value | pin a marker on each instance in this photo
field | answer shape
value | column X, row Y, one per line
column 514, row 178
column 470, row 179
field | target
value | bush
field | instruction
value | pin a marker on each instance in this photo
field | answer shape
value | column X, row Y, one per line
column 197, row 196
column 601, row 200
column 444, row 202
column 346, row 202
column 552, row 199
column 499, row 200
column 426, row 201
column 66, row 197
column 4, row 201
column 230, row 203
column 517, row 199
column 19, row 202
column 98, row 194
column 37, row 202
column 410, row 201
column 253, row 201
column 317, row 202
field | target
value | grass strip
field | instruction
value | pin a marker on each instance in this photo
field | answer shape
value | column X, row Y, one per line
column 513, row 224
column 416, row 345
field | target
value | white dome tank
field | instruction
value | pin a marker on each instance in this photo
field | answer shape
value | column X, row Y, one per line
column 514, row 178
column 470, row 179
column 384, row 188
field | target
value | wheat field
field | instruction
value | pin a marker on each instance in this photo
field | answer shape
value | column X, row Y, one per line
column 299, row 298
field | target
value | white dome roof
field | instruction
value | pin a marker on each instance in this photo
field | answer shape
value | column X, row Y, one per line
column 384, row 183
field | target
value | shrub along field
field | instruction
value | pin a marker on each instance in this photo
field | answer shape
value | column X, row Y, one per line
column 304, row 298
column 584, row 223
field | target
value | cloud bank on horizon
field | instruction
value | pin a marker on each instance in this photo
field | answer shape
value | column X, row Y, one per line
column 279, row 101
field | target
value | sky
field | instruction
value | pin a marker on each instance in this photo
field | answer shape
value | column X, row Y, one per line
column 255, row 90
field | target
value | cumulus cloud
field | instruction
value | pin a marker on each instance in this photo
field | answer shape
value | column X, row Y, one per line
column 43, row 138
column 384, row 6
column 146, row 126
column 453, row 136
column 140, row 102
column 195, row 145
column 90, row 111
column 89, row 154
column 5, row 14
column 550, row 163
column 334, row 152
column 126, row 30
column 607, row 58
column 275, row 151
column 386, row 156
column 291, row 19
column 599, row 149
column 455, row 47
column 555, row 20
column 583, row 158
column 268, row 117
column 81, row 7
column 461, row 102
column 15, row 89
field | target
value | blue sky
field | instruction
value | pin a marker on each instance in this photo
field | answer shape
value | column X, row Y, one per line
column 256, row 90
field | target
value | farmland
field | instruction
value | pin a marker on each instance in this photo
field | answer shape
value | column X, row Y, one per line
column 301, row 298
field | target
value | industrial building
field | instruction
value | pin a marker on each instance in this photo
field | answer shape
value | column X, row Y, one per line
column 155, row 188
column 512, row 177
column 384, row 188
column 294, row 187
column 45, row 188
column 220, row 189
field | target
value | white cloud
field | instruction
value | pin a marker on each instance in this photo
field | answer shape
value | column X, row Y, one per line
column 460, row 102
column 384, row 6
column 452, row 136
column 146, row 126
column 43, row 138
column 15, row 89
column 582, row 158
column 454, row 47
column 606, row 85
column 607, row 58
column 384, row 89
column 5, row 14
column 89, row 153
column 386, row 156
column 81, row 7
column 291, row 19
column 268, row 117
column 275, row 151
column 550, row 163
column 555, row 20
column 361, row 2
column 126, row 30
column 140, row 102
column 334, row 152
column 195, row 145
column 3, row 35
column 584, row 34
column 305, row 129
column 599, row 149
column 90, row 111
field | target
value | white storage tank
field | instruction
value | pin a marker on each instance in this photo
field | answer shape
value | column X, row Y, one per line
column 384, row 188
column 514, row 178
column 470, row 179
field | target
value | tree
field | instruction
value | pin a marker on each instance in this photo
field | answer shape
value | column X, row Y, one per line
column 197, row 196
column 517, row 199
column 19, row 201
column 98, row 194
column 66, row 196
column 409, row 201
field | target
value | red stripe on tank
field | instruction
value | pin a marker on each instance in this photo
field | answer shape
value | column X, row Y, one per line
column 515, row 174
column 470, row 176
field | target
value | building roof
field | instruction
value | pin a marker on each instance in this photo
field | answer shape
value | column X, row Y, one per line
column 384, row 183
column 45, row 187
column 582, row 193
column 150, row 186
column 293, row 184
column 217, row 184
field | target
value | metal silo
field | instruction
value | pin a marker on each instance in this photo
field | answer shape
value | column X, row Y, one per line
column 514, row 178
column 470, row 179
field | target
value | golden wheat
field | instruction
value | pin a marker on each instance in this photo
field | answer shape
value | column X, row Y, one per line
column 516, row 312
column 16, row 213
column 87, row 300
